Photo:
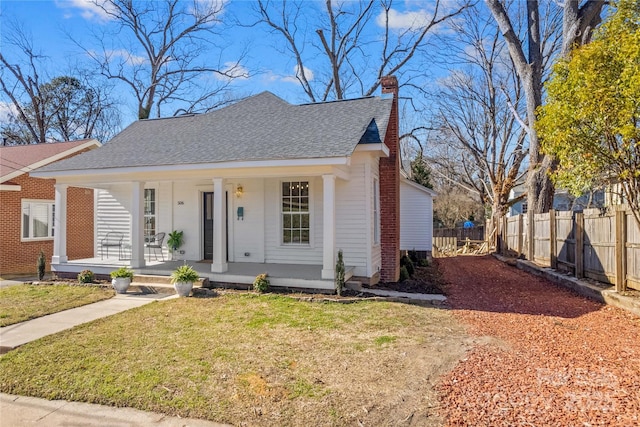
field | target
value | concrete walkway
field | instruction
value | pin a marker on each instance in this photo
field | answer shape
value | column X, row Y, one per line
column 13, row 336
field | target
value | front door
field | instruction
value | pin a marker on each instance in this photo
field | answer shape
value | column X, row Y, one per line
column 207, row 215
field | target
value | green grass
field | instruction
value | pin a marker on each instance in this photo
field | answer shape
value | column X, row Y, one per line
column 236, row 358
column 23, row 302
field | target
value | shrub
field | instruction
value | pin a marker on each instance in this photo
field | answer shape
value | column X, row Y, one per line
column 42, row 262
column 413, row 254
column 261, row 283
column 404, row 275
column 339, row 274
column 424, row 263
column 406, row 262
column 122, row 272
column 86, row 276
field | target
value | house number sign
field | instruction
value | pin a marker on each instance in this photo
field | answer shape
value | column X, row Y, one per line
column 180, row 203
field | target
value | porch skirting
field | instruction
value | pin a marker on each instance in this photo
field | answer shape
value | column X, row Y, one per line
column 280, row 275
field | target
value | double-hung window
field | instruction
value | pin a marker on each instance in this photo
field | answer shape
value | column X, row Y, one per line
column 37, row 219
column 149, row 211
column 295, row 213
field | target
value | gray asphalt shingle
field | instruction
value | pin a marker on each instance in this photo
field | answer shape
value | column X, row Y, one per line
column 262, row 127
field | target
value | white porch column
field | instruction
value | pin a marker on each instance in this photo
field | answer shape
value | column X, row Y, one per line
column 219, row 264
column 60, row 225
column 329, row 226
column 137, row 224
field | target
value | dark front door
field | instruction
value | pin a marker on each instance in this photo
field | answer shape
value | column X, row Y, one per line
column 208, row 225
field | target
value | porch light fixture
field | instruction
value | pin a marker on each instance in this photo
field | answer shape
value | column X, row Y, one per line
column 239, row 191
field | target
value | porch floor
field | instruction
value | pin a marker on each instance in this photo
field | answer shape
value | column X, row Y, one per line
column 285, row 275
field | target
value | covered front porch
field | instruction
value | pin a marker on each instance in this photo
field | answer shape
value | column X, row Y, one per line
column 243, row 273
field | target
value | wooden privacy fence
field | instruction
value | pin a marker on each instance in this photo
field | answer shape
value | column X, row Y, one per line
column 601, row 246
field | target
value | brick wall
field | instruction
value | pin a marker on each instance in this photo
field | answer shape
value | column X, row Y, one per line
column 18, row 257
column 390, row 191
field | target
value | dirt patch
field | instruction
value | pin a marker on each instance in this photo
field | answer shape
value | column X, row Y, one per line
column 425, row 280
column 559, row 359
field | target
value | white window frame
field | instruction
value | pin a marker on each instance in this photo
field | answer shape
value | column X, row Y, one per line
column 29, row 203
column 153, row 215
column 376, row 211
column 309, row 213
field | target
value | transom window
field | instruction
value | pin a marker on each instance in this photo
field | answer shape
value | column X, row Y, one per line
column 37, row 219
column 149, row 211
column 295, row 212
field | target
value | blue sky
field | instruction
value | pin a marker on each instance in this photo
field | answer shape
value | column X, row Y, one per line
column 267, row 68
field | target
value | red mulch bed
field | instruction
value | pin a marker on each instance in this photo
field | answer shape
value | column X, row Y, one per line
column 546, row 357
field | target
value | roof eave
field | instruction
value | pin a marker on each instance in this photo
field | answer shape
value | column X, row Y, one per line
column 324, row 161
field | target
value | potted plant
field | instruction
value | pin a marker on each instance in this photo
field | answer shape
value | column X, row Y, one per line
column 183, row 278
column 121, row 279
column 175, row 241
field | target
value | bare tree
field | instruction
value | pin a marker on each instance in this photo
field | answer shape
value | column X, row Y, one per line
column 21, row 84
column 476, row 106
column 345, row 45
column 64, row 108
column 158, row 50
column 579, row 20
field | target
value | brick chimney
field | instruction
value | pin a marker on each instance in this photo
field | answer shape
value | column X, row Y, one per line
column 390, row 190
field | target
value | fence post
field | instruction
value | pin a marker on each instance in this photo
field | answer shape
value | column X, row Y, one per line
column 520, row 230
column 505, row 235
column 531, row 227
column 621, row 250
column 553, row 242
column 579, row 236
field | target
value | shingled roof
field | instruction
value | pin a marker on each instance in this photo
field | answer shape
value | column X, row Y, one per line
column 20, row 159
column 262, row 127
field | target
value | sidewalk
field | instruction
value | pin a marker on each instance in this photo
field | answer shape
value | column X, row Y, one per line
column 23, row 411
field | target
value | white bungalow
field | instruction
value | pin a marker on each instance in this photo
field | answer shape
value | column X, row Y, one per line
column 258, row 186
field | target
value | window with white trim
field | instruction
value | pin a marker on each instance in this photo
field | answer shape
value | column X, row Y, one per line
column 37, row 219
column 149, row 211
column 295, row 213
column 376, row 211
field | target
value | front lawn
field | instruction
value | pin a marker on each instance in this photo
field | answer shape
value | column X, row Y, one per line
column 250, row 359
column 23, row 302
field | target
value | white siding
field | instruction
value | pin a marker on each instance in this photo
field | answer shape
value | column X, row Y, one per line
column 351, row 215
column 248, row 233
column 112, row 214
column 416, row 218
column 275, row 251
column 376, row 248
column 187, row 215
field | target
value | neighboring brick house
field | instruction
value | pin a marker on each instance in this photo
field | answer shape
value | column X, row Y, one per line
column 27, row 207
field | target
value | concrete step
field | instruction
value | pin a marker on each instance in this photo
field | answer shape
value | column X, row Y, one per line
column 147, row 278
column 151, row 288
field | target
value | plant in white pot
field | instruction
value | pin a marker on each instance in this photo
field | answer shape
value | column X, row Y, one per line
column 121, row 279
column 176, row 239
column 183, row 278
